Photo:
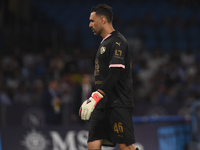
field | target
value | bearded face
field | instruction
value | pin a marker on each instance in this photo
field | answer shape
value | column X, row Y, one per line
column 95, row 23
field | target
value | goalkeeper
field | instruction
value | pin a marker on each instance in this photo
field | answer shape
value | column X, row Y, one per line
column 110, row 107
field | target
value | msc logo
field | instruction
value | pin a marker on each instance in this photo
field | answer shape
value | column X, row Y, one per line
column 73, row 140
column 102, row 50
column 35, row 141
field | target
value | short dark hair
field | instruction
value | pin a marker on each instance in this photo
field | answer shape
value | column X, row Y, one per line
column 105, row 10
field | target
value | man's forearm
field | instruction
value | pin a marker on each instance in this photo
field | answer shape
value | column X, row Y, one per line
column 110, row 81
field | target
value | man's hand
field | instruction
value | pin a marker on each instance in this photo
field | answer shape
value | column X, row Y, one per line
column 88, row 106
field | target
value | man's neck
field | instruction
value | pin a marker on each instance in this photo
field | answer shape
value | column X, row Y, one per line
column 107, row 31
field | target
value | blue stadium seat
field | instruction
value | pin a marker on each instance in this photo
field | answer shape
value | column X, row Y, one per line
column 151, row 43
column 185, row 13
column 159, row 10
column 170, row 11
column 194, row 45
column 182, row 44
column 198, row 14
column 149, row 32
column 167, row 44
column 193, row 32
column 164, row 32
column 63, row 13
column 179, row 32
column 130, row 32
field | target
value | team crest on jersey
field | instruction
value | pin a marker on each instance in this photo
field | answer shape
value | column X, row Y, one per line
column 102, row 49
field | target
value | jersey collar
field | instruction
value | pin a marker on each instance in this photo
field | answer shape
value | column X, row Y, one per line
column 106, row 37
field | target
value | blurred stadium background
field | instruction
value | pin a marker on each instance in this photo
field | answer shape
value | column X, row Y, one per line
column 41, row 40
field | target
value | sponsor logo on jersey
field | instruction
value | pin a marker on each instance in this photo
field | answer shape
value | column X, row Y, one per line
column 102, row 49
column 118, row 43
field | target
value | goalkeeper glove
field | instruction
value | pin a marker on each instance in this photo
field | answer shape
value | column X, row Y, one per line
column 88, row 106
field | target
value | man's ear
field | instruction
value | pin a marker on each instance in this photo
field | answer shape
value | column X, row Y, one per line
column 103, row 20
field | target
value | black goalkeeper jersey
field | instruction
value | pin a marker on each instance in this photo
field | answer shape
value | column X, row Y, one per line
column 114, row 52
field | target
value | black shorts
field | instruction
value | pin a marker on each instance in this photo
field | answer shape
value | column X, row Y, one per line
column 113, row 125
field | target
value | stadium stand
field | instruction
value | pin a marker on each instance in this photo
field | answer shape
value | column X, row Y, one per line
column 166, row 51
